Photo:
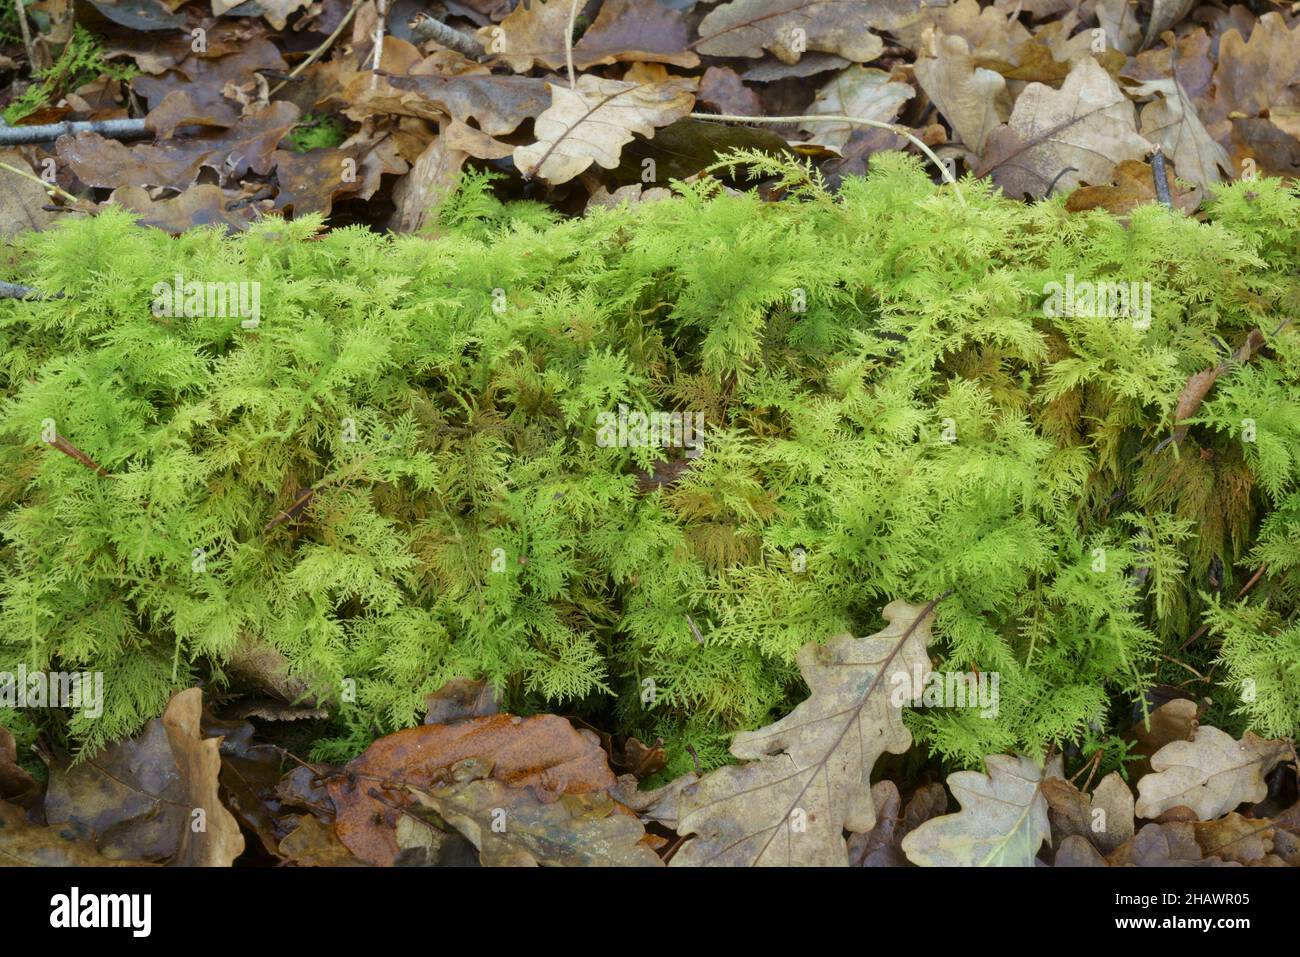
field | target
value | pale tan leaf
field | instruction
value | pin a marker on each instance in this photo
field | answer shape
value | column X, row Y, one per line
column 807, row 777
column 1211, row 774
column 860, row 92
column 421, row 191
column 1002, row 822
column 972, row 99
column 788, row 28
column 1171, row 121
column 1114, row 797
column 592, row 123
column 1067, row 136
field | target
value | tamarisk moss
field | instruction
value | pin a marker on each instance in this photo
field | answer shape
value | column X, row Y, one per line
column 438, row 421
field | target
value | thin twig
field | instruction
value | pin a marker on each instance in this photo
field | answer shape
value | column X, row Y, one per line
column 381, row 7
column 1254, row 579
column 12, row 290
column 49, row 132
column 320, row 50
column 70, row 450
column 27, row 36
column 51, row 188
column 877, row 124
column 568, row 42
column 424, row 26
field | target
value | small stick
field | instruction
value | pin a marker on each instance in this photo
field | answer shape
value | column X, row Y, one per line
column 27, row 35
column 12, row 290
column 49, row 132
column 426, row 27
column 49, row 187
column 1161, row 176
column 382, row 7
column 70, row 450
column 320, row 50
column 568, row 41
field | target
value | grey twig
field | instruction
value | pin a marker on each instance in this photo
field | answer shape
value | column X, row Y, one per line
column 1161, row 176
column 49, row 132
column 425, row 27
column 12, row 290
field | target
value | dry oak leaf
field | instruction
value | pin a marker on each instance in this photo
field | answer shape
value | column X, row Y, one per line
column 807, row 776
column 972, row 99
column 23, row 844
column 990, row 34
column 197, row 206
column 592, row 123
column 1260, row 77
column 418, row 194
column 140, row 798
column 1211, row 774
column 1067, row 136
column 1235, row 838
column 1105, row 819
column 1171, row 121
column 1002, row 822
column 860, row 92
column 790, row 27
column 533, row 32
column 21, row 199
column 1134, row 186
column 1164, row 845
column 579, row 830
column 498, row 104
column 544, row 752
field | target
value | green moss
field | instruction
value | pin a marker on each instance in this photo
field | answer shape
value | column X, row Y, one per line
column 888, row 412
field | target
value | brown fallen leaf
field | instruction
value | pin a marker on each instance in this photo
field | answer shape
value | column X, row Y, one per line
column 1104, row 819
column 16, row 784
column 310, row 182
column 1076, row 851
column 1114, row 799
column 313, row 843
column 1064, row 137
column 722, row 91
column 591, row 124
column 1235, row 838
column 633, row 31
column 990, row 33
column 21, row 198
column 459, row 699
column 807, row 777
column 1134, row 185
column 1003, row 819
column 418, row 194
column 746, row 28
column 498, row 104
column 1164, row 845
column 23, row 844
column 1211, row 774
column 197, row 206
column 544, row 752
column 154, row 797
column 1173, row 721
column 882, row 845
column 515, row 827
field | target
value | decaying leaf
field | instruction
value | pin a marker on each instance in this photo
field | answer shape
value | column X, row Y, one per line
column 1134, row 185
column 434, row 175
column 1064, row 137
column 1171, row 121
column 788, row 28
column 1164, row 845
column 544, row 752
column 806, row 779
column 882, row 845
column 1235, row 838
column 1173, row 721
column 590, row 124
column 513, row 826
column 1002, row 823
column 141, row 798
column 21, row 198
column 15, row 783
column 23, row 844
column 1211, row 774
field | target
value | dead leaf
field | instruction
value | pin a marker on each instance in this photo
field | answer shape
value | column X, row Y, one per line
column 459, row 699
column 141, row 798
column 590, row 124
column 513, row 826
column 197, row 206
column 418, row 194
column 972, row 99
column 1235, row 838
column 1002, row 823
column 1211, row 774
column 1173, row 721
column 1164, row 845
column 722, row 90
column 313, row 843
column 544, row 752
column 806, row 779
column 21, row 198
column 1134, row 186
column 498, row 104
column 1064, row 137
column 1114, row 799
column 1171, row 121
column 860, row 92
column 1165, row 14
column 745, row 28
column 634, row 31
column 15, row 784
column 1075, row 851
column 23, row 844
